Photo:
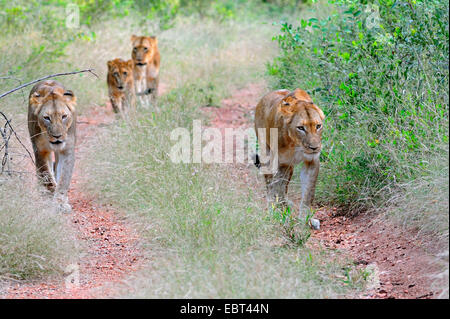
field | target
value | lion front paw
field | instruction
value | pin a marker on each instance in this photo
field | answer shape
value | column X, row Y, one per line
column 62, row 204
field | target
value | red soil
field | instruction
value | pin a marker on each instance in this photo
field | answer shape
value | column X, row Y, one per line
column 404, row 267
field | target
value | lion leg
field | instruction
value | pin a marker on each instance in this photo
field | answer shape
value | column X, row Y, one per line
column 118, row 106
column 153, row 85
column 308, row 179
column 64, row 168
column 141, row 92
column 289, row 173
column 277, row 185
column 44, row 169
column 114, row 105
column 281, row 182
column 131, row 101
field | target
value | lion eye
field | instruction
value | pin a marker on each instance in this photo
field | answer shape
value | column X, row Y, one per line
column 125, row 73
column 116, row 74
column 145, row 49
column 134, row 50
column 47, row 118
column 64, row 116
column 318, row 126
column 301, row 128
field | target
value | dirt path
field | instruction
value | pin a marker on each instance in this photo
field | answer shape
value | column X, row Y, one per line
column 401, row 265
column 112, row 249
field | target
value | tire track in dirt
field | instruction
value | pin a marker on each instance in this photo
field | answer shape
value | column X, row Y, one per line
column 112, row 245
column 401, row 265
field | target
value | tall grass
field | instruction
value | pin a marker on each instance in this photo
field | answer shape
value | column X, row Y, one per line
column 206, row 231
column 422, row 203
column 35, row 241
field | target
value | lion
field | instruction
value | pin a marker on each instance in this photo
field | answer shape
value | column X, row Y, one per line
column 146, row 59
column 299, row 124
column 52, row 127
column 120, row 82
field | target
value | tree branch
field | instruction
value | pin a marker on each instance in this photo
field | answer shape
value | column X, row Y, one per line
column 47, row 77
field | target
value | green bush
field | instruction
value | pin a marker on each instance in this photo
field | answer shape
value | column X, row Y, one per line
column 379, row 70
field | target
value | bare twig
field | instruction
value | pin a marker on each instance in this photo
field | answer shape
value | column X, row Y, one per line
column 47, row 77
column 6, row 136
column 15, row 134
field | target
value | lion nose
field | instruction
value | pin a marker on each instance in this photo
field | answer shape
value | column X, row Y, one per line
column 56, row 136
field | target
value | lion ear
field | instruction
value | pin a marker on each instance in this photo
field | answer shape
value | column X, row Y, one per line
column 109, row 64
column 35, row 102
column 288, row 100
column 155, row 39
column 133, row 38
column 71, row 100
column 301, row 95
column 285, row 108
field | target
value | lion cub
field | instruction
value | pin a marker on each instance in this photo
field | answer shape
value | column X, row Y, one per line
column 146, row 61
column 121, row 85
column 52, row 124
column 298, row 122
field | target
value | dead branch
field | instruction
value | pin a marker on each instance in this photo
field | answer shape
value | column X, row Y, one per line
column 6, row 138
column 47, row 77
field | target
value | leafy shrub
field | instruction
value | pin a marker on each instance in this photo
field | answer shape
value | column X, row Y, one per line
column 379, row 70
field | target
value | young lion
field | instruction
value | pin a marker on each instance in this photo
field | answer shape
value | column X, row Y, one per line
column 146, row 60
column 52, row 125
column 121, row 85
column 299, row 125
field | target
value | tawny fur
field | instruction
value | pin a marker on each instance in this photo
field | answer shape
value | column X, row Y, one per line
column 120, row 82
column 146, row 61
column 299, row 125
column 52, row 127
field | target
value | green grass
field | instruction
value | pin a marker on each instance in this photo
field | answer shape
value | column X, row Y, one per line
column 384, row 91
column 206, row 233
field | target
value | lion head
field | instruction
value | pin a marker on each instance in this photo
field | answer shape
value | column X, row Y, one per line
column 54, row 109
column 143, row 49
column 120, row 73
column 304, row 121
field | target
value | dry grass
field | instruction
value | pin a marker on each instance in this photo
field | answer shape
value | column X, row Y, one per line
column 207, row 234
column 35, row 240
column 422, row 205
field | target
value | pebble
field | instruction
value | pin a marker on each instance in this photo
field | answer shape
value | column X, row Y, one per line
column 315, row 223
